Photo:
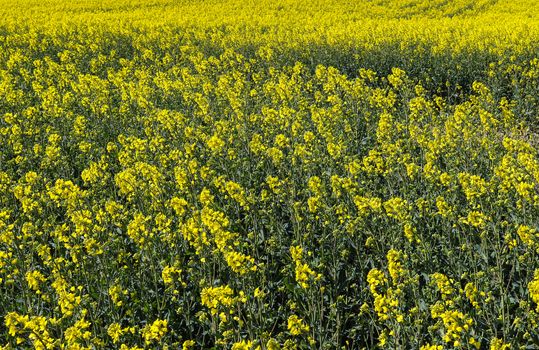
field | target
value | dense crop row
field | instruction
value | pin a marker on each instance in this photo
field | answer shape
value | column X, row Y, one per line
column 256, row 175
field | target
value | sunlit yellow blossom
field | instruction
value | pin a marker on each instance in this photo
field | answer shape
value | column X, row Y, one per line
column 78, row 333
column 68, row 297
column 443, row 283
column 215, row 144
column 533, row 288
column 242, row 345
column 476, row 219
column 179, row 205
column 116, row 293
column 169, row 274
column 206, row 197
column 35, row 279
column 33, row 327
column 239, row 262
column 394, row 261
column 499, row 344
column 303, row 272
column 431, row 347
column 396, row 208
column 455, row 323
column 296, row 325
column 115, row 331
column 215, row 297
column 444, row 209
column 528, row 235
column 188, row 344
column 155, row 331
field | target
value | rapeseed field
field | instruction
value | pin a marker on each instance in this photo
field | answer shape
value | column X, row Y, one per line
column 263, row 175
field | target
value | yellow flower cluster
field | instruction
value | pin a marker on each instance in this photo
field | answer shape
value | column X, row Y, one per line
column 34, row 327
column 296, row 326
column 303, row 272
column 215, row 297
column 155, row 331
column 388, row 294
column 455, row 324
column 533, row 287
